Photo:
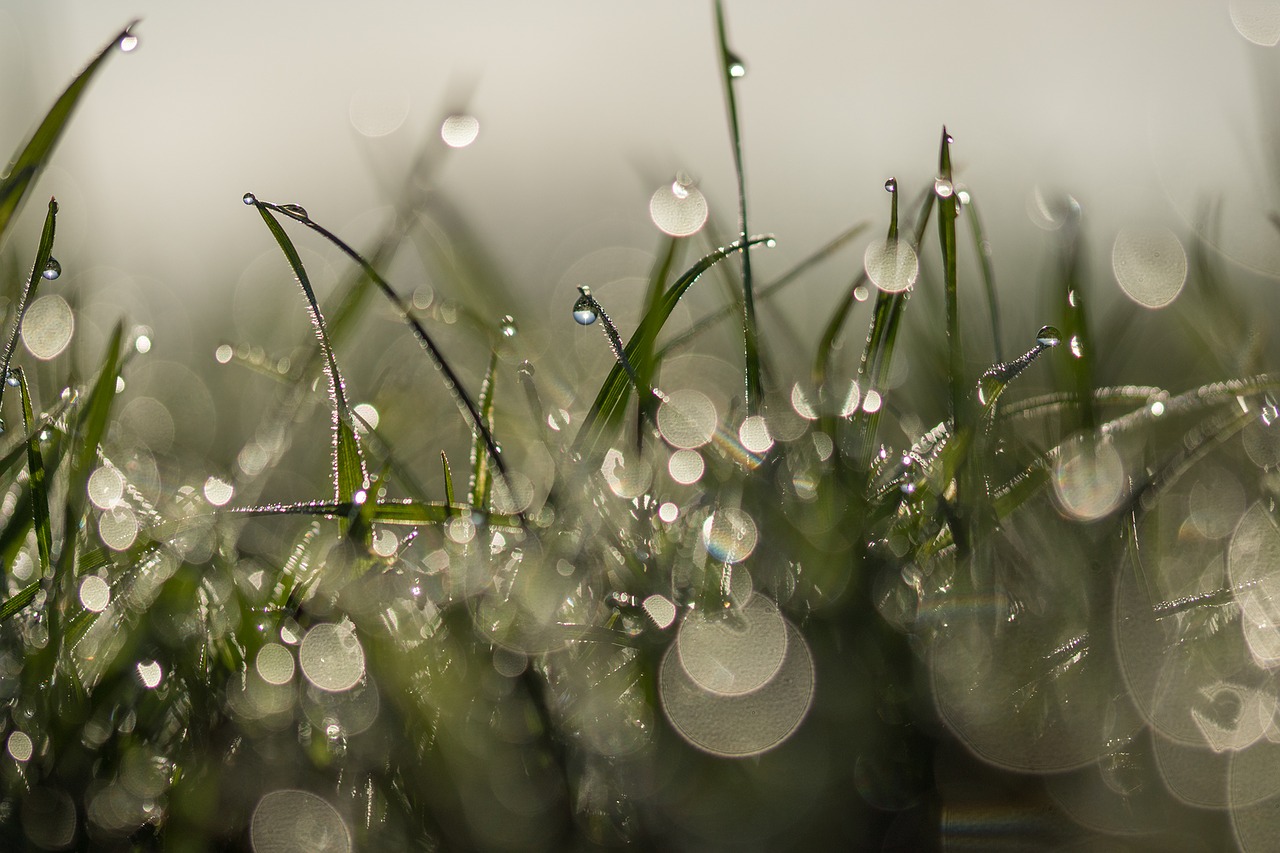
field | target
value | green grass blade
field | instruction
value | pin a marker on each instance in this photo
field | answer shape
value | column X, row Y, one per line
column 408, row 512
column 39, row 489
column 20, row 599
column 31, row 158
column 349, row 472
column 647, row 360
column 1075, row 325
column 982, row 247
column 480, row 483
column 448, row 479
column 603, row 417
column 947, row 242
column 44, row 251
column 731, row 68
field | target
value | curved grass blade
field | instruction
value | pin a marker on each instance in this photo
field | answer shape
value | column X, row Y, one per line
column 44, row 251
column 39, row 489
column 30, row 159
column 465, row 404
column 605, row 413
column 349, row 473
column 385, row 512
column 646, row 362
column 731, row 68
column 983, row 249
column 480, row 483
column 1075, row 326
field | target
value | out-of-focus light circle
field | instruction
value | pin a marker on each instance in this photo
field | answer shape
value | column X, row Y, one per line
column 331, row 657
column 106, row 487
column 223, row 353
column 150, row 673
column 871, row 402
column 627, row 478
column 118, row 528
column 218, row 491
column 754, row 434
column 687, row 419
column 20, row 746
column 729, row 534
column 891, row 265
column 459, row 131
column 678, row 209
column 733, row 652
column 686, row 466
column 385, row 542
column 142, row 344
column 296, row 821
column 668, row 512
column 379, row 110
column 368, row 414
column 95, row 594
column 1088, row 478
column 1151, row 266
column 660, row 609
column 1256, row 20
column 275, row 664
column 47, row 327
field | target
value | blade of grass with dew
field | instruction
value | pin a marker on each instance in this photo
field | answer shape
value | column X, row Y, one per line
column 448, row 479
column 452, row 383
column 349, row 473
column 789, row 277
column 596, row 425
column 982, row 246
column 480, row 483
column 646, row 360
column 44, row 253
column 1074, row 324
column 31, row 158
column 385, row 512
column 731, row 68
column 39, row 488
column 947, row 214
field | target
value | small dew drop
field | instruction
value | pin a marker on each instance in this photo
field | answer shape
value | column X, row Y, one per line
column 861, row 293
column 584, row 309
column 295, row 210
column 891, row 185
column 1157, row 409
column 508, row 326
column 142, row 344
column 459, row 131
column 249, row 198
column 128, row 43
column 1077, row 348
column 223, row 353
column 1048, row 336
column 51, row 270
column 962, row 196
column 11, row 379
column 943, row 188
column 737, row 68
column 770, row 243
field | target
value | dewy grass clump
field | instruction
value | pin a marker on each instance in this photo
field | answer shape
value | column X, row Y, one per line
column 669, row 612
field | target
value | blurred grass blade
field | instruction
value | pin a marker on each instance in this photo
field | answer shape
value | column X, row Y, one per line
column 44, row 251
column 454, row 385
column 947, row 241
column 731, row 69
column 29, row 161
column 448, row 479
column 480, row 483
column 647, row 362
column 39, row 488
column 604, row 416
column 349, row 473
column 982, row 247
column 385, row 512
column 1075, row 320
column 20, row 599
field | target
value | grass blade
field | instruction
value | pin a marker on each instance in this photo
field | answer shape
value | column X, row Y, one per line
column 947, row 214
column 731, row 68
column 409, row 512
column 39, row 489
column 448, row 479
column 44, row 252
column 349, row 473
column 480, row 483
column 20, row 599
column 983, row 248
column 30, row 159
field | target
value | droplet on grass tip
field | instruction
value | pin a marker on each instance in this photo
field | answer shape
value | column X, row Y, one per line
column 584, row 308
column 737, row 68
column 249, row 198
column 943, row 188
column 51, row 270
column 128, row 43
column 459, row 130
column 1048, row 336
column 891, row 185
column 295, row 210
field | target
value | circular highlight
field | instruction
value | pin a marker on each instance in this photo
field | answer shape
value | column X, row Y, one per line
column 686, row 467
column 891, row 265
column 746, row 724
column 687, row 419
column 1150, row 266
column 459, row 131
column 47, row 327
column 95, row 594
column 275, row 664
column 1088, row 479
column 20, row 746
column 678, row 209
column 1256, row 20
column 106, row 487
column 297, row 822
column 118, row 528
column 331, row 657
column 735, row 652
column 729, row 534
column 379, row 110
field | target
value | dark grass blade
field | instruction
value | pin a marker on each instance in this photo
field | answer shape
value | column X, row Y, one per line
column 39, row 488
column 646, row 361
column 31, row 158
column 947, row 214
column 751, row 344
column 789, row 277
column 1074, row 325
column 43, row 252
column 605, row 413
column 983, row 249
column 455, row 386
column 480, row 482
column 448, row 479
column 384, row 512
column 349, row 473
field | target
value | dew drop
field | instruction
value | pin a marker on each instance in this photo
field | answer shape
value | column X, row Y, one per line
column 737, row 68
column 1077, row 348
column 584, row 309
column 295, row 210
column 223, row 353
column 459, row 131
column 249, row 198
column 128, row 43
column 51, row 270
column 943, row 188
column 891, row 185
column 11, row 379
column 1048, row 336
column 508, row 326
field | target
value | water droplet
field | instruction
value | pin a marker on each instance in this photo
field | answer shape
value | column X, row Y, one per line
column 584, row 309
column 1048, row 336
column 943, row 188
column 526, row 368
column 737, row 68
column 128, row 43
column 962, row 196
column 295, row 210
column 770, row 243
column 459, row 131
column 11, row 379
column 51, row 270
column 861, row 293
column 508, row 326
column 249, row 198
column 1077, row 348
column 1071, row 298
column 223, row 353
column 891, row 185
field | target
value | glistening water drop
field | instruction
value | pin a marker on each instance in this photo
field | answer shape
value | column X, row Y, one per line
column 51, row 270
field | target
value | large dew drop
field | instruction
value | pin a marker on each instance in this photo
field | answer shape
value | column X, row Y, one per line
column 584, row 308
column 51, row 270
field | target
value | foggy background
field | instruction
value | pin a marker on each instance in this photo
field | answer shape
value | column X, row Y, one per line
column 1142, row 111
